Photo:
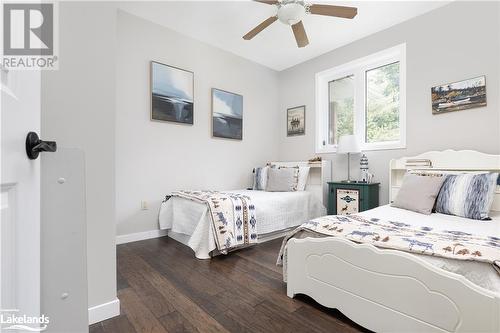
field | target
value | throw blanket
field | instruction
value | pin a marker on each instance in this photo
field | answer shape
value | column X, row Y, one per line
column 233, row 218
column 401, row 236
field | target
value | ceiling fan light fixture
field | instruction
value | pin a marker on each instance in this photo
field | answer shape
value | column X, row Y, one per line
column 291, row 13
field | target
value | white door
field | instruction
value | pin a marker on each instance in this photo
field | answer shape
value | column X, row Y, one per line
column 20, row 194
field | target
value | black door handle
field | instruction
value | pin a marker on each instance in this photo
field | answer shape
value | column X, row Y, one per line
column 34, row 145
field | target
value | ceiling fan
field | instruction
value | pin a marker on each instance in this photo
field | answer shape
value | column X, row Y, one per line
column 291, row 12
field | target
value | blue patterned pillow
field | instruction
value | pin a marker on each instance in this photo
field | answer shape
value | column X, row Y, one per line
column 467, row 195
column 260, row 178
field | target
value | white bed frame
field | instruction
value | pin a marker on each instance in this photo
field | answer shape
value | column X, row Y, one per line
column 394, row 291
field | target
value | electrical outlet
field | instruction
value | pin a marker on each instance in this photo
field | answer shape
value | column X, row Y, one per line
column 144, row 205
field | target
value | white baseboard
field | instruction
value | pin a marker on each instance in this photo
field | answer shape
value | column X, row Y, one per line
column 104, row 311
column 122, row 239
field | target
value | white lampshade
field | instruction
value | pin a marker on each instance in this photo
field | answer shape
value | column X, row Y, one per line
column 291, row 13
column 348, row 144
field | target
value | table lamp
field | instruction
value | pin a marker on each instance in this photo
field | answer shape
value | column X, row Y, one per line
column 348, row 144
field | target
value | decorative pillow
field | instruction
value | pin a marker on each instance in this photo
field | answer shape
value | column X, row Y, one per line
column 282, row 180
column 303, row 175
column 418, row 193
column 467, row 195
column 260, row 178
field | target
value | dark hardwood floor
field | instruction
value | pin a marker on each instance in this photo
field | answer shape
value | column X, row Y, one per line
column 162, row 287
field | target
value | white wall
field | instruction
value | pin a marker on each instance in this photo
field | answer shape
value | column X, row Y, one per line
column 154, row 158
column 468, row 48
column 78, row 111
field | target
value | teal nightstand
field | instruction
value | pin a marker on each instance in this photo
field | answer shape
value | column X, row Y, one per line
column 351, row 198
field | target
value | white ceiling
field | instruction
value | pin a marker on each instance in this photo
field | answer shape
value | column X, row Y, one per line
column 223, row 23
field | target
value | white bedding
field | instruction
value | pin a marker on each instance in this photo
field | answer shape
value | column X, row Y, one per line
column 481, row 274
column 275, row 211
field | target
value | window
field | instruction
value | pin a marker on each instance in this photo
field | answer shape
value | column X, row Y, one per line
column 382, row 103
column 365, row 97
column 341, row 108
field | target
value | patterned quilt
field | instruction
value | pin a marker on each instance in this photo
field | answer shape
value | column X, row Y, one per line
column 401, row 236
column 233, row 217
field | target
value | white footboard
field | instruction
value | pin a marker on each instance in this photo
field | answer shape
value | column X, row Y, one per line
column 386, row 290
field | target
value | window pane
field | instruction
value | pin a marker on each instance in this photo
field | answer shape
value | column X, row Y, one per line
column 382, row 103
column 341, row 108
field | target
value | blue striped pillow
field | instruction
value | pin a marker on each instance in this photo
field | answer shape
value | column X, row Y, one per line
column 467, row 195
column 260, row 178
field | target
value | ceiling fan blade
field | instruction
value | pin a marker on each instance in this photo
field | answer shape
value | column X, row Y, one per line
column 331, row 10
column 268, row 2
column 300, row 34
column 252, row 33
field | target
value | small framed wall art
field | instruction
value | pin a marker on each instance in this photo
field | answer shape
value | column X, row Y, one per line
column 296, row 121
column 457, row 96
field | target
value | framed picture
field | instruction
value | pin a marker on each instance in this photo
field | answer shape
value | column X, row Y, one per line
column 459, row 96
column 172, row 94
column 296, row 121
column 347, row 201
column 227, row 114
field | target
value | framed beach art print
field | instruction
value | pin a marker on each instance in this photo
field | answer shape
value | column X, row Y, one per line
column 227, row 115
column 461, row 95
column 296, row 121
column 172, row 94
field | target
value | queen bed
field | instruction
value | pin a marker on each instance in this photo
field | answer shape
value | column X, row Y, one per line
column 189, row 221
column 389, row 290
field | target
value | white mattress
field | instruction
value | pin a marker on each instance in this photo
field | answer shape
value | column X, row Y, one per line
column 275, row 211
column 479, row 273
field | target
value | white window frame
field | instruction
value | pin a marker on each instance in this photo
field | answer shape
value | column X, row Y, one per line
column 358, row 68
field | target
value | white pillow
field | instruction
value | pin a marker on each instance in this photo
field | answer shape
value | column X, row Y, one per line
column 418, row 193
column 282, row 179
column 303, row 175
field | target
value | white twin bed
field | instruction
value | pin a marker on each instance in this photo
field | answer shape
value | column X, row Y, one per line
column 480, row 273
column 388, row 290
column 189, row 222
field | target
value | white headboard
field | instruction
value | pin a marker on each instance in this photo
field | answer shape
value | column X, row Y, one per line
column 447, row 160
column 319, row 174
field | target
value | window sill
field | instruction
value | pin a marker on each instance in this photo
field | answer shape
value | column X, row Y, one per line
column 365, row 148
column 382, row 146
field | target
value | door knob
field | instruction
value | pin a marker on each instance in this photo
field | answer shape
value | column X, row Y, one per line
column 34, row 146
